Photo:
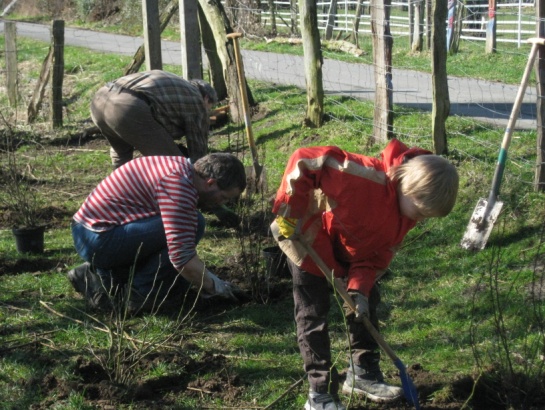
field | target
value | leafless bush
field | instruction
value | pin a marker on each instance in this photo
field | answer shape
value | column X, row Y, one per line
column 511, row 364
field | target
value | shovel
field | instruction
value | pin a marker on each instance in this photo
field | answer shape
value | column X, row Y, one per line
column 487, row 210
column 258, row 170
column 409, row 390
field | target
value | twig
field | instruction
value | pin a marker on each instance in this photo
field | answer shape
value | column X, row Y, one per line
column 404, row 245
column 36, row 337
column 200, row 390
column 82, row 149
column 237, row 408
column 105, row 329
column 13, row 307
column 293, row 386
column 247, row 358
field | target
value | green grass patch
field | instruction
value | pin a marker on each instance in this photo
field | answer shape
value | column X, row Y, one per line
column 440, row 303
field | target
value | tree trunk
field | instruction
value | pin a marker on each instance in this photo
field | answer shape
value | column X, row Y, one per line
column 382, row 58
column 313, row 63
column 223, row 52
column 215, row 66
column 441, row 102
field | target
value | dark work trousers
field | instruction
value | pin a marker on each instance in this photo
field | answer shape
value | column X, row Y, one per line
column 311, row 296
column 126, row 119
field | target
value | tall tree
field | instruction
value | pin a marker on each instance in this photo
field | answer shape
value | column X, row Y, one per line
column 221, row 55
column 313, row 61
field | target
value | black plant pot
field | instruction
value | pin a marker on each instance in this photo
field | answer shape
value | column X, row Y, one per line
column 29, row 240
column 275, row 262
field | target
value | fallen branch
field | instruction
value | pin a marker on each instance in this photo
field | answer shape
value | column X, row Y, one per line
column 39, row 90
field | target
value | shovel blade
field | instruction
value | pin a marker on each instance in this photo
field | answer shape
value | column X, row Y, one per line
column 481, row 224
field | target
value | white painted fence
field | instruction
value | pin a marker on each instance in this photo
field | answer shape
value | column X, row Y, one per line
column 515, row 20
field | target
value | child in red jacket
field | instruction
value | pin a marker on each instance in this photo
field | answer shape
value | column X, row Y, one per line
column 354, row 211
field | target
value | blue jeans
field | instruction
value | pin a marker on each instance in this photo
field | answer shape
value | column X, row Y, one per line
column 139, row 248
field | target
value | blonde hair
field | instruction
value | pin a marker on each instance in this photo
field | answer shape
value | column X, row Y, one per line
column 431, row 181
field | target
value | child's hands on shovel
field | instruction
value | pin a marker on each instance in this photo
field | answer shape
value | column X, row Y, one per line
column 360, row 308
column 287, row 226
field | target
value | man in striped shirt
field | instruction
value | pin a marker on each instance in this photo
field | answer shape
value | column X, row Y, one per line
column 149, row 110
column 141, row 226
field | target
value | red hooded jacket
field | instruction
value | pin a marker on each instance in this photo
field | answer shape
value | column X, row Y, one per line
column 348, row 210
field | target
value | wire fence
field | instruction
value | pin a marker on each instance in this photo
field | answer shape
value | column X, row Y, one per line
column 480, row 104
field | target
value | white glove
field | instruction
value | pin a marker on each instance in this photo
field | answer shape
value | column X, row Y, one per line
column 362, row 305
column 221, row 288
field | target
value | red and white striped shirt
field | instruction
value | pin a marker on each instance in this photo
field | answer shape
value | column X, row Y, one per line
column 146, row 187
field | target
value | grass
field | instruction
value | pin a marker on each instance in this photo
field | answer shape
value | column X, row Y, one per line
column 439, row 304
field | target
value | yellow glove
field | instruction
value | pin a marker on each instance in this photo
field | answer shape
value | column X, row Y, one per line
column 286, row 226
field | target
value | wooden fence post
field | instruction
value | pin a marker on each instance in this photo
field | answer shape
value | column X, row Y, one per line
column 382, row 58
column 11, row 61
column 190, row 35
column 57, row 73
column 152, row 34
column 313, row 62
column 539, row 179
column 441, row 101
column 490, row 46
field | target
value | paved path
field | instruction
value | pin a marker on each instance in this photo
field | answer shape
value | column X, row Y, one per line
column 484, row 100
